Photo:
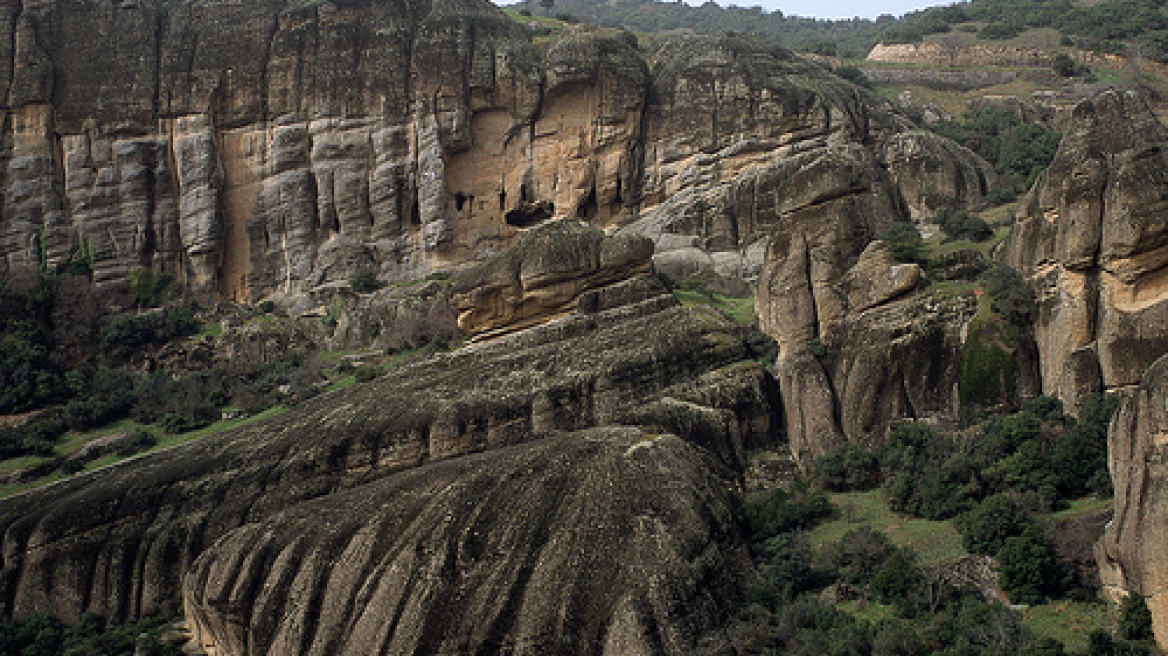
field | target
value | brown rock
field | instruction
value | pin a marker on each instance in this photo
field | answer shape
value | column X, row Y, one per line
column 544, row 275
column 1131, row 553
column 1090, row 239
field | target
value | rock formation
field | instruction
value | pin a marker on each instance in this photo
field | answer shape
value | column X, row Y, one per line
column 934, row 173
column 544, row 276
column 1091, row 238
column 1131, row 554
column 566, row 488
column 268, row 148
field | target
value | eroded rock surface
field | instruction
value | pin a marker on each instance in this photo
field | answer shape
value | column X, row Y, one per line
column 1131, row 555
column 544, row 276
column 358, row 521
column 1091, row 237
column 933, row 173
column 269, row 148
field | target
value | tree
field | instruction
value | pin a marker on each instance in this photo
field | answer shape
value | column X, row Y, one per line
column 1135, row 620
column 547, row 6
column 985, row 529
column 904, row 240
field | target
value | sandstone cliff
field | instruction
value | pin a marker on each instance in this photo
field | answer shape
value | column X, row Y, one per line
column 1091, row 238
column 1131, row 554
column 269, row 147
column 470, row 486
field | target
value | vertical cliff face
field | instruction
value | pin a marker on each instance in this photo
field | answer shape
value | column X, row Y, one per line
column 1091, row 237
column 268, row 147
column 1133, row 552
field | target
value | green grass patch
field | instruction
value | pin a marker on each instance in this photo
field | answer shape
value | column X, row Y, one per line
column 1069, row 622
column 740, row 310
column 1080, row 507
column 937, row 245
column 933, row 541
column 868, row 611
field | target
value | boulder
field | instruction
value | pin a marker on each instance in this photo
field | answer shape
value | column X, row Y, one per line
column 544, row 276
column 933, row 173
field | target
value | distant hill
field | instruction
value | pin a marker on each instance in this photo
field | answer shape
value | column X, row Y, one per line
column 1133, row 27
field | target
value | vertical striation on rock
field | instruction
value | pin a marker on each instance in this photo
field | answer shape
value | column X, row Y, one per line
column 1091, row 237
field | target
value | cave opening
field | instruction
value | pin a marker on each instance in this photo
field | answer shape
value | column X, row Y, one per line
column 529, row 214
column 589, row 207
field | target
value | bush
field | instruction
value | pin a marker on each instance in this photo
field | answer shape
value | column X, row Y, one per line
column 859, row 555
column 365, row 374
column 1010, row 295
column 189, row 419
column 985, row 528
column 1030, row 574
column 853, row 75
column 778, row 511
column 364, row 281
column 788, row 572
column 1135, row 620
column 149, row 287
column 138, row 440
column 845, row 468
column 904, row 240
column 961, row 224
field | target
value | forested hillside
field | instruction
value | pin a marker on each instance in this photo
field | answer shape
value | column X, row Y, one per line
column 1136, row 27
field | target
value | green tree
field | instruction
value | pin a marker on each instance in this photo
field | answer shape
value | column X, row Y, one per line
column 1135, row 620
column 149, row 287
column 985, row 528
column 904, row 240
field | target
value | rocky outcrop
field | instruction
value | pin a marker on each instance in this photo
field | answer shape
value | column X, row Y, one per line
column 837, row 303
column 546, row 548
column 544, row 275
column 1131, row 554
column 933, row 173
column 358, row 521
column 272, row 148
column 1090, row 237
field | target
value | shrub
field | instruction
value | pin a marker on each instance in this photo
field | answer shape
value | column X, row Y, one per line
column 365, row 374
column 853, row 75
column 788, row 572
column 188, row 419
column 778, row 511
column 961, row 224
column 1010, row 295
column 364, row 281
column 149, row 287
column 985, row 528
column 138, row 440
column 904, row 240
column 1030, row 574
column 848, row 467
column 1135, row 620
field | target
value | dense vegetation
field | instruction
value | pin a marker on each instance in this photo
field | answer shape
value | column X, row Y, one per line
column 42, row 635
column 1018, row 151
column 1127, row 26
column 998, row 482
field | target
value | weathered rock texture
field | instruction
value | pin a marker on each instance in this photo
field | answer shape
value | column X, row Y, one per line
column 544, row 276
column 1091, row 237
column 850, row 337
column 271, row 147
column 1132, row 553
column 360, row 522
column 933, row 172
